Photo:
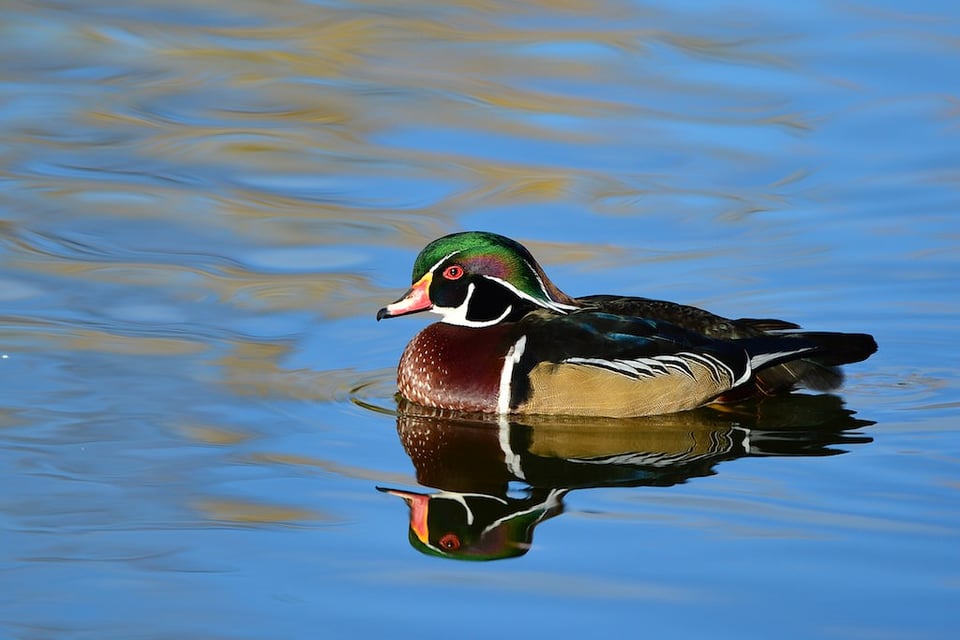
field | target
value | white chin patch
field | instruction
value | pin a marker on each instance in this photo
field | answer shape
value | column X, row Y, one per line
column 458, row 315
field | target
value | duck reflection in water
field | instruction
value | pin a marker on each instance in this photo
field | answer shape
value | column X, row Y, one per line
column 472, row 461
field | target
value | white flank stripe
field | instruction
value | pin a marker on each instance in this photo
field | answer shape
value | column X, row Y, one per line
column 720, row 372
column 763, row 358
column 506, row 374
column 640, row 367
column 617, row 365
column 748, row 371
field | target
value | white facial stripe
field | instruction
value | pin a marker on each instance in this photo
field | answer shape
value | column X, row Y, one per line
column 506, row 374
column 462, row 499
column 444, row 258
column 551, row 503
column 549, row 304
column 458, row 315
column 557, row 306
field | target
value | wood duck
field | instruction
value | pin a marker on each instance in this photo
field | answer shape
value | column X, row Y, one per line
column 475, row 526
column 511, row 342
column 491, row 484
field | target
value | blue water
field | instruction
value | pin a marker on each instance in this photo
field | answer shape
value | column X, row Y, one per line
column 202, row 206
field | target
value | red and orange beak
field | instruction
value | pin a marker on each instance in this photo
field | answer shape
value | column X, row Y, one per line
column 417, row 298
column 419, row 506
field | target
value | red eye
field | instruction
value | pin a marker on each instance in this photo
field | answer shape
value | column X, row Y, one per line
column 453, row 272
column 450, row 541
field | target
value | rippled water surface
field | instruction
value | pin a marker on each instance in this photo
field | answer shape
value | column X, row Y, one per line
column 203, row 204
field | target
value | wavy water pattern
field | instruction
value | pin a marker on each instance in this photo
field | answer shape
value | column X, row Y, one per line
column 203, row 204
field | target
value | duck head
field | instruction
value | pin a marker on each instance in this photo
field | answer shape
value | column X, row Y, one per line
column 478, row 279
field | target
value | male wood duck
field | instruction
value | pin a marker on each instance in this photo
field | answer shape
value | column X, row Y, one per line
column 511, row 342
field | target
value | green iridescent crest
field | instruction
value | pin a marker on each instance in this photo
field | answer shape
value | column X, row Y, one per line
column 492, row 255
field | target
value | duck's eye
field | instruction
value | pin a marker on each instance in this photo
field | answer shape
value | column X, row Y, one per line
column 450, row 542
column 453, row 272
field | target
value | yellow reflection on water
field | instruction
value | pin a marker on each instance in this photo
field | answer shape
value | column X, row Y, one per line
column 248, row 512
column 213, row 435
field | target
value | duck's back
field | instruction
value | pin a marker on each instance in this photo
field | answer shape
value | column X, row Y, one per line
column 819, row 373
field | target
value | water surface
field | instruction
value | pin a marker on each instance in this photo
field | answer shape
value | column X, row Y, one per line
column 204, row 204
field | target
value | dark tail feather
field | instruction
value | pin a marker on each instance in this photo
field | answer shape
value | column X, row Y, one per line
column 763, row 325
column 837, row 348
column 818, row 369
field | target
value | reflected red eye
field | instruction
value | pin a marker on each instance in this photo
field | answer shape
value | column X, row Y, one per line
column 450, row 542
column 453, row 272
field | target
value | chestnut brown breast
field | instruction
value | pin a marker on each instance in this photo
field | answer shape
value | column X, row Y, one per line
column 451, row 367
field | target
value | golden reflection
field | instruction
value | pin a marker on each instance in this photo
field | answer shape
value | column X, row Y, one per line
column 328, row 466
column 287, row 87
column 253, row 369
column 321, row 90
column 10, row 418
column 90, row 340
column 49, row 336
column 207, row 114
column 219, row 436
column 247, row 512
column 333, row 295
column 469, row 463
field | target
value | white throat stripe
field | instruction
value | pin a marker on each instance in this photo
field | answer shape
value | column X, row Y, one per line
column 458, row 315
